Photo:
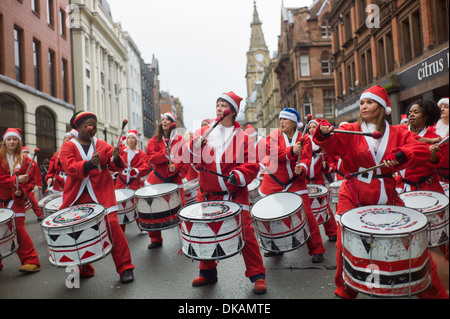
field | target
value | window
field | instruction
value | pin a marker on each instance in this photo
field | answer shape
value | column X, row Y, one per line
column 336, row 38
column 440, row 20
column 348, row 27
column 306, row 106
column 50, row 18
column 62, row 22
column 325, row 63
column 304, row 65
column 18, row 44
column 51, row 70
column 86, row 48
column 35, row 6
column 325, row 30
column 411, row 36
column 328, row 97
column 65, row 80
column 37, row 64
column 88, row 98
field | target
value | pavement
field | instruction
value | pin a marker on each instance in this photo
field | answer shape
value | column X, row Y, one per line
column 165, row 274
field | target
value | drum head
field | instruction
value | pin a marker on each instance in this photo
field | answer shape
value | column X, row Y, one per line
column 337, row 183
column 190, row 185
column 54, row 204
column 5, row 214
column 254, row 184
column 276, row 206
column 316, row 190
column 48, row 198
column 384, row 220
column 123, row 194
column 425, row 201
column 209, row 210
column 73, row 215
column 156, row 190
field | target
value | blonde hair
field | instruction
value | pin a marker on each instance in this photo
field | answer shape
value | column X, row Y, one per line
column 380, row 123
column 17, row 157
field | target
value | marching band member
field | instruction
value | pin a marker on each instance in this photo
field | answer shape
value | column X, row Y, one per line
column 260, row 148
column 56, row 174
column 283, row 147
column 188, row 171
column 228, row 150
column 165, row 170
column 361, row 151
column 441, row 129
column 422, row 115
column 87, row 165
column 321, row 163
column 13, row 194
column 35, row 172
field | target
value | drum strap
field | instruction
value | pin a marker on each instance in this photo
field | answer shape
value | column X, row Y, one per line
column 423, row 179
column 131, row 180
column 165, row 180
column 206, row 195
column 442, row 174
column 280, row 183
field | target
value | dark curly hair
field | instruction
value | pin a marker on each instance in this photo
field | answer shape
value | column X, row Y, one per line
column 430, row 110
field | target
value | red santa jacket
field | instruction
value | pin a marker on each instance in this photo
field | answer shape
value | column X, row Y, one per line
column 56, row 172
column 281, row 161
column 227, row 150
column 8, row 187
column 357, row 154
column 98, row 184
column 137, row 167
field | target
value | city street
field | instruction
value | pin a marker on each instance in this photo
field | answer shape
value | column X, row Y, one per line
column 165, row 274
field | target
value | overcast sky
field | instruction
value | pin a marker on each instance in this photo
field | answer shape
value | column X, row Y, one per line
column 201, row 45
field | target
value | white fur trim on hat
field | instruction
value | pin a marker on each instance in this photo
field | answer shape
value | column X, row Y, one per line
column 370, row 95
column 443, row 101
column 172, row 117
column 12, row 132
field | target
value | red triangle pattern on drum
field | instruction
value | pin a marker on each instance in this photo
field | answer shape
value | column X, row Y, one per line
column 65, row 259
column 105, row 244
column 188, row 226
column 267, row 225
column 166, row 198
column 287, row 222
column 406, row 242
column 215, row 227
column 87, row 254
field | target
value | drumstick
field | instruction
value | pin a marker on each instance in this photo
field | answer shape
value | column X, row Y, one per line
column 442, row 142
column 199, row 168
column 89, row 129
column 224, row 114
column 398, row 156
column 17, row 172
column 36, row 150
column 168, row 149
column 124, row 123
column 375, row 134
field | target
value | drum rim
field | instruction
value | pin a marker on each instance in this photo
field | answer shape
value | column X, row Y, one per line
column 76, row 224
column 443, row 207
column 45, row 206
column 132, row 193
column 54, row 195
column 325, row 193
column 278, row 217
column 176, row 188
column 240, row 209
column 8, row 210
column 359, row 231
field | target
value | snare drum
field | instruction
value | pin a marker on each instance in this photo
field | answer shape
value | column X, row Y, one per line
column 435, row 207
column 158, row 206
column 191, row 191
column 334, row 190
column 126, row 201
column 53, row 205
column 77, row 235
column 385, row 250
column 280, row 222
column 8, row 234
column 253, row 191
column 46, row 199
column 444, row 187
column 211, row 230
column 319, row 197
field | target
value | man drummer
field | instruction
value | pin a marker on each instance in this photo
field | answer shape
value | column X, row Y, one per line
column 227, row 151
column 87, row 163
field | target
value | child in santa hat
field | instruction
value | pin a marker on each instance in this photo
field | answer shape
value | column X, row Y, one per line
column 359, row 151
column 13, row 193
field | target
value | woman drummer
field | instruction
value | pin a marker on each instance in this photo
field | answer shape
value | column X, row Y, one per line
column 283, row 148
column 87, row 163
column 397, row 149
column 162, row 149
column 56, row 174
column 228, row 150
column 13, row 195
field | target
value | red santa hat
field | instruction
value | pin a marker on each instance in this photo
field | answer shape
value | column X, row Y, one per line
column 250, row 130
column 171, row 116
column 233, row 99
column 404, row 118
column 26, row 149
column 443, row 101
column 16, row 132
column 132, row 133
column 378, row 94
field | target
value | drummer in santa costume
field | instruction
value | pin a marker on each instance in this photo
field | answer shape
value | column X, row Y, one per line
column 37, row 178
column 260, row 148
column 56, row 175
column 13, row 194
column 397, row 149
column 283, row 148
column 88, row 165
column 441, row 129
column 227, row 150
column 165, row 169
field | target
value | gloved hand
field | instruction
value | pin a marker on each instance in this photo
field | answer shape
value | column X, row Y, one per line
column 397, row 156
column 232, row 179
column 321, row 127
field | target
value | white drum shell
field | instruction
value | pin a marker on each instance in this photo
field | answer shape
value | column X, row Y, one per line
column 8, row 233
column 334, row 190
column 77, row 243
column 319, row 197
column 191, row 191
column 42, row 202
column 385, row 255
column 214, row 237
column 253, row 191
column 127, row 203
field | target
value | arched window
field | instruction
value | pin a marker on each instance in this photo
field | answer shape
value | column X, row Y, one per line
column 45, row 133
column 11, row 110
